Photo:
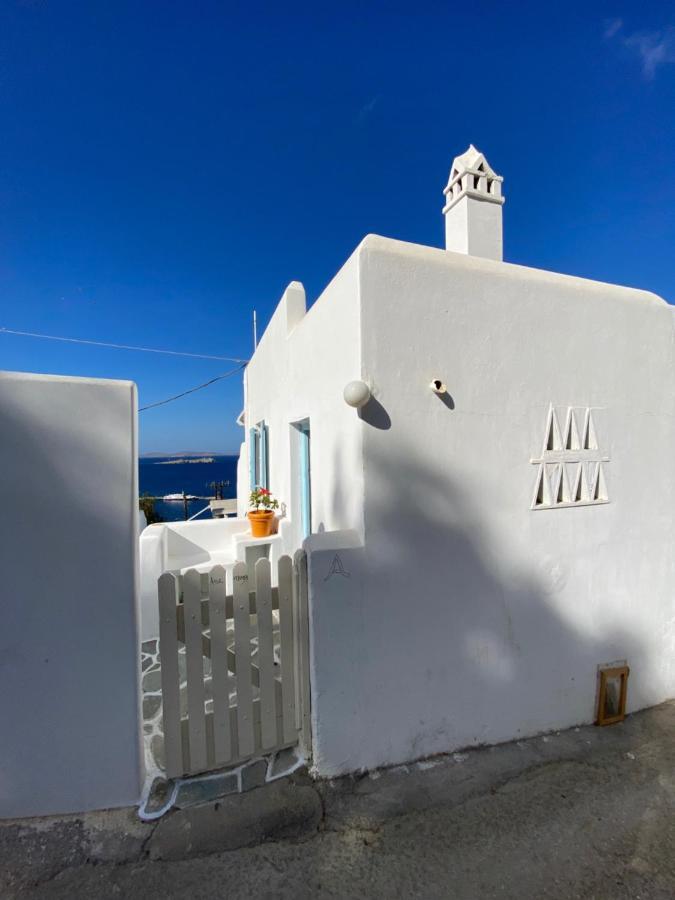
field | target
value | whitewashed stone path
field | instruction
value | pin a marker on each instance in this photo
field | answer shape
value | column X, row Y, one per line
column 161, row 796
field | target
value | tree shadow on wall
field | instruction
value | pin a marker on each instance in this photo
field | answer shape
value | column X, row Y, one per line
column 463, row 640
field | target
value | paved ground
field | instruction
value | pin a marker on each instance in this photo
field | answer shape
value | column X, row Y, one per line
column 588, row 813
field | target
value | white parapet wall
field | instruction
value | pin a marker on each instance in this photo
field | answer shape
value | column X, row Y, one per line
column 200, row 544
column 69, row 643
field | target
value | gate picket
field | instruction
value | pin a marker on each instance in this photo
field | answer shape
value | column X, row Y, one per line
column 302, row 718
column 286, row 640
column 220, row 674
column 168, row 643
column 192, row 595
column 268, row 706
column 242, row 654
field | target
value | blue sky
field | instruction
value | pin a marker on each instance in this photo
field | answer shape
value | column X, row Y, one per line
column 167, row 167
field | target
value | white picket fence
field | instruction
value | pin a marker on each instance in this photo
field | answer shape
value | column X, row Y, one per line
column 244, row 661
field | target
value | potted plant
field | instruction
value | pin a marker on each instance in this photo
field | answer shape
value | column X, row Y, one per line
column 261, row 516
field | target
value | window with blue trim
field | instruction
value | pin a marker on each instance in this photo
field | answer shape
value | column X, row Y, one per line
column 258, row 456
column 302, row 491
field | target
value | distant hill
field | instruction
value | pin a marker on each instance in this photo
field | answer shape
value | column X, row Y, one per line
column 179, row 453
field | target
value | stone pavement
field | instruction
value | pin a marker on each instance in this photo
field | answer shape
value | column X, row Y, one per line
column 586, row 813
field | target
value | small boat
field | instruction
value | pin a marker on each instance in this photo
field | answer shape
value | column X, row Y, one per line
column 179, row 497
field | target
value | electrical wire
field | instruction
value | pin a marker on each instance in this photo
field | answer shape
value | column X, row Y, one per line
column 53, row 337
column 192, row 390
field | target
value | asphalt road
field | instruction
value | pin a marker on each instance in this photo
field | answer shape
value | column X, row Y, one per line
column 588, row 813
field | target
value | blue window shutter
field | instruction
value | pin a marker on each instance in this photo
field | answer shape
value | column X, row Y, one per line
column 252, row 457
column 305, row 481
column 264, row 461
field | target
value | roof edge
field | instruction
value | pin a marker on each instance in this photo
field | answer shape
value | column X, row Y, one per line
column 377, row 243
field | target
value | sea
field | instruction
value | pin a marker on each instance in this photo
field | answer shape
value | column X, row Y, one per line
column 158, row 476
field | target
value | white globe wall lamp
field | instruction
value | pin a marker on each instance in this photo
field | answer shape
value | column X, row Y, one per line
column 356, row 394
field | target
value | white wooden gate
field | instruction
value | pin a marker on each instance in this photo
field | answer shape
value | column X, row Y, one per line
column 234, row 668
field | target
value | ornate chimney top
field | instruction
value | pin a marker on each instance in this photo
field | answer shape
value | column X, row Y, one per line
column 473, row 215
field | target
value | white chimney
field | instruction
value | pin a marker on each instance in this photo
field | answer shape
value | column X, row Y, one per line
column 473, row 207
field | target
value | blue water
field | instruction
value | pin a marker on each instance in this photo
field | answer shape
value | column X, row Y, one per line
column 193, row 478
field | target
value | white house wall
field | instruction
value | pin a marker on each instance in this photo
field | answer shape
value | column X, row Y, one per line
column 469, row 617
column 69, row 649
column 299, row 371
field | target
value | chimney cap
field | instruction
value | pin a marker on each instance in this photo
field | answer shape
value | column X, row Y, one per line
column 472, row 175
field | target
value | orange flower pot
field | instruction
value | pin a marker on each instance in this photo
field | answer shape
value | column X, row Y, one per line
column 261, row 522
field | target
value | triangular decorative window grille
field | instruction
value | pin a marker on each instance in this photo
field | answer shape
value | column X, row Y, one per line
column 570, row 470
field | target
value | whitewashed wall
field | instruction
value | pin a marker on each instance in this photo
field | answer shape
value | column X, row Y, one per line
column 69, row 654
column 455, row 614
column 299, row 371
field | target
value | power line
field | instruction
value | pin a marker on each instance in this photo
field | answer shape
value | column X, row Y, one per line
column 192, row 390
column 53, row 337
